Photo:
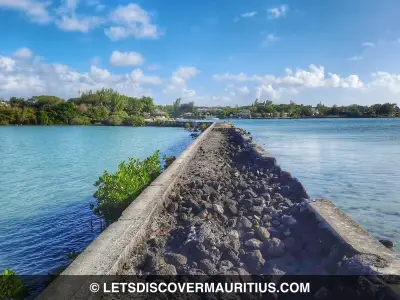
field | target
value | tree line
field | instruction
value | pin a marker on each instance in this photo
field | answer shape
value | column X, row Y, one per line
column 105, row 106
column 265, row 109
column 108, row 107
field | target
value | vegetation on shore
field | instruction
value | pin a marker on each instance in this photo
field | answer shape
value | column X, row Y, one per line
column 108, row 107
column 11, row 287
column 267, row 109
column 116, row 191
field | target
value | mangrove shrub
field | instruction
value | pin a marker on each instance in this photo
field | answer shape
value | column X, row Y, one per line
column 116, row 191
column 11, row 286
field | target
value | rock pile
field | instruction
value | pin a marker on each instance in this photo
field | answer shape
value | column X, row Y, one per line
column 233, row 213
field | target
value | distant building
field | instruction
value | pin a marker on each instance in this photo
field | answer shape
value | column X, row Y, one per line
column 315, row 111
column 4, row 103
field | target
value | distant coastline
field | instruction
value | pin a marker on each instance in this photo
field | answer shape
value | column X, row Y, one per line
column 108, row 107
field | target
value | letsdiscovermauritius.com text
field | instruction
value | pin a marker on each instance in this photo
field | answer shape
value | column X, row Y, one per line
column 201, row 287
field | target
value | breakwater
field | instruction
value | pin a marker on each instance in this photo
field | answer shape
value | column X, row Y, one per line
column 226, row 207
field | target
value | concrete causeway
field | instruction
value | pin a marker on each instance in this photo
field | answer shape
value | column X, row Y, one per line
column 225, row 207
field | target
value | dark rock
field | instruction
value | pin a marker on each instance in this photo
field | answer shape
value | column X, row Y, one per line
column 151, row 261
column 245, row 223
column 198, row 183
column 259, row 201
column 218, row 209
column 274, row 232
column 167, row 270
column 257, row 210
column 208, row 267
column 232, row 222
column 387, row 243
column 233, row 209
column 225, row 265
column 196, row 208
column 274, row 247
column 242, row 272
column 253, row 244
column 276, row 223
column 223, row 218
column 175, row 259
column 157, row 242
column 270, row 209
column 233, row 234
column 262, row 233
column 250, row 193
column 173, row 207
column 208, row 189
column 254, row 260
column 247, row 235
column 288, row 220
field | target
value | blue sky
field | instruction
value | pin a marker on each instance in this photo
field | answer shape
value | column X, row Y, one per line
column 209, row 52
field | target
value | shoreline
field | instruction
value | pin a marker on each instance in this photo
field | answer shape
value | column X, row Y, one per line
column 174, row 123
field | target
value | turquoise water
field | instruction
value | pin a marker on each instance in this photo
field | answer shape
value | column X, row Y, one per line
column 46, row 185
column 353, row 162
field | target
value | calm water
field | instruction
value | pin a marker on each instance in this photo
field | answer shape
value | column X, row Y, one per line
column 46, row 185
column 353, row 162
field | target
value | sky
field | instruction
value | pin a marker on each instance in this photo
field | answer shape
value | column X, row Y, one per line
column 210, row 52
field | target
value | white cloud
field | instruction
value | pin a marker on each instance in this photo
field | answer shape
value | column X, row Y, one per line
column 185, row 73
column 267, row 91
column 356, row 58
column 126, row 58
column 178, row 80
column 6, row 64
column 36, row 10
column 98, row 74
column 386, row 80
column 23, row 53
column 131, row 21
column 278, row 12
column 137, row 76
column 312, row 78
column 31, row 77
column 78, row 23
column 368, row 44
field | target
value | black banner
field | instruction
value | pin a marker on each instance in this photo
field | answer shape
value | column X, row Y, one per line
column 200, row 287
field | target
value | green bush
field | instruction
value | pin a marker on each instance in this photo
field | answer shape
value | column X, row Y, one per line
column 203, row 126
column 114, row 120
column 116, row 191
column 80, row 120
column 11, row 287
column 187, row 126
column 134, row 121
